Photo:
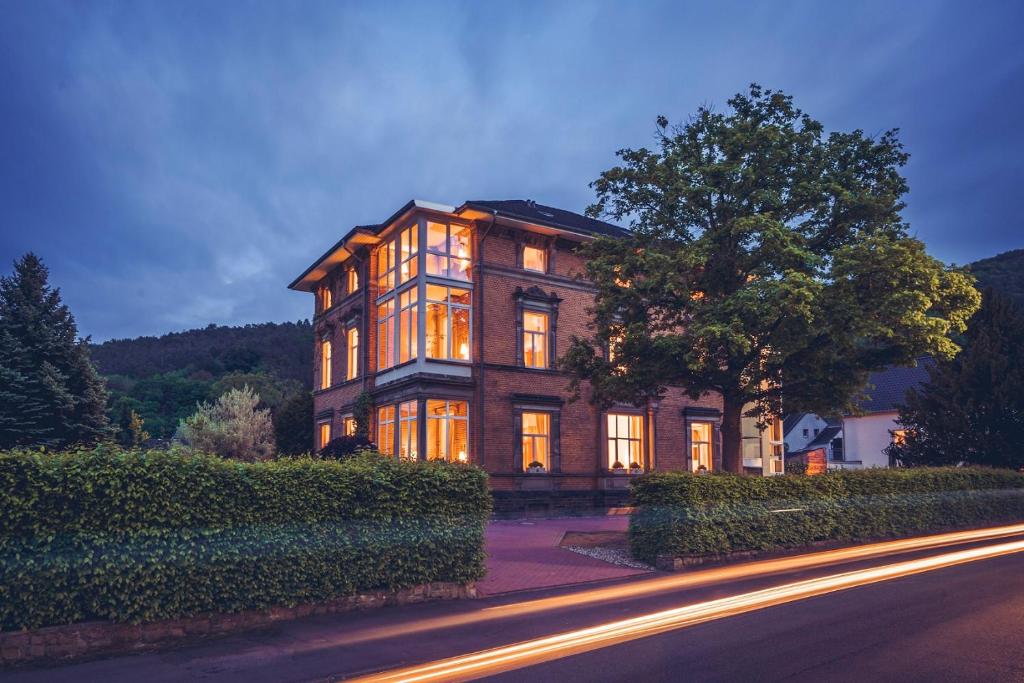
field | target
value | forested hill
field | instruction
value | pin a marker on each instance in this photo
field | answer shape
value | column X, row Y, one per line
column 284, row 350
column 1004, row 272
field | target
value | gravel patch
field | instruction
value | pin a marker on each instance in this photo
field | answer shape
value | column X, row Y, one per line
column 610, row 555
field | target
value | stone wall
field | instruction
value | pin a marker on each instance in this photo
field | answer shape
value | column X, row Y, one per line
column 87, row 640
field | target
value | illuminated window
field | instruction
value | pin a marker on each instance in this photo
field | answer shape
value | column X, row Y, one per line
column 625, row 440
column 386, row 334
column 352, row 280
column 408, row 330
column 348, row 425
column 536, row 438
column 407, row 430
column 899, row 436
column 448, row 250
column 324, row 434
column 535, row 259
column 352, row 353
column 386, row 267
column 700, row 446
column 386, row 430
column 326, row 301
column 325, row 364
column 447, row 322
column 448, row 430
column 535, row 339
column 408, row 248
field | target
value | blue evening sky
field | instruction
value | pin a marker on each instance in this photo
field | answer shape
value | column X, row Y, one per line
column 176, row 163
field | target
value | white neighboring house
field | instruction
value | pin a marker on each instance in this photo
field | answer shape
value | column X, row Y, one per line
column 867, row 435
column 807, row 432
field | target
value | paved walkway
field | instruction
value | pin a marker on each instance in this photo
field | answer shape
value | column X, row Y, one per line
column 524, row 554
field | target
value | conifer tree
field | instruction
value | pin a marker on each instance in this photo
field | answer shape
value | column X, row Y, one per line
column 972, row 409
column 50, row 393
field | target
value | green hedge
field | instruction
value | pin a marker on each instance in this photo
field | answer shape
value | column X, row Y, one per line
column 681, row 514
column 137, row 536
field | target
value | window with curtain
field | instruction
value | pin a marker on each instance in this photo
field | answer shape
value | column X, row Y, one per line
column 700, row 446
column 625, row 440
column 352, row 353
column 448, row 322
column 535, row 339
column 535, row 259
column 447, row 430
column 536, row 440
column 385, row 334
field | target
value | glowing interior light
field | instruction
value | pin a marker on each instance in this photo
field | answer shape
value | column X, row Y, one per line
column 462, row 456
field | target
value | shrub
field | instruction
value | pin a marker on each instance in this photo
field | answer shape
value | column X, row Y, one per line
column 344, row 447
column 138, row 536
column 680, row 514
column 233, row 427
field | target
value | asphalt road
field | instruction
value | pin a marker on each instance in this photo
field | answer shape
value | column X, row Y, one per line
column 958, row 623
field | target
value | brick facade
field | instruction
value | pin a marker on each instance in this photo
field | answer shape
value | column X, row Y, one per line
column 495, row 383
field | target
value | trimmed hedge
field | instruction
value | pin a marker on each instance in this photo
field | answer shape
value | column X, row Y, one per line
column 139, row 536
column 680, row 514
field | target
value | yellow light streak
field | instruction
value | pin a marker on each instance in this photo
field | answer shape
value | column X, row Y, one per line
column 689, row 579
column 536, row 651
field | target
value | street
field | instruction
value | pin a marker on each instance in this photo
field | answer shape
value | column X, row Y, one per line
column 957, row 623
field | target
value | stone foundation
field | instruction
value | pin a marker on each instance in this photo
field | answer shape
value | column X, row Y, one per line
column 87, row 640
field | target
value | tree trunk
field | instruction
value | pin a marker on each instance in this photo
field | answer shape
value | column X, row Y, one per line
column 732, row 436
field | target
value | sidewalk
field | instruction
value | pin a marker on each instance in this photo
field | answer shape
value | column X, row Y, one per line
column 524, row 554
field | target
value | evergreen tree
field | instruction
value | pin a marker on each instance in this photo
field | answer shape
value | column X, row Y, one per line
column 972, row 409
column 50, row 393
column 293, row 424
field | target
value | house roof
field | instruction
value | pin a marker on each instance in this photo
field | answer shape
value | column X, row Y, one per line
column 825, row 436
column 531, row 211
column 525, row 210
column 887, row 389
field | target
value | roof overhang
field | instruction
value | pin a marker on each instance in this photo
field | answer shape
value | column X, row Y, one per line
column 478, row 213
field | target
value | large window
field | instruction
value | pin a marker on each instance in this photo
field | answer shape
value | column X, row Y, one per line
column 447, row 430
column 447, row 323
column 535, row 259
column 448, row 250
column 408, row 330
column 625, row 440
column 352, row 353
column 535, row 339
column 386, row 429
column 323, row 434
column 385, row 334
column 325, row 364
column 407, row 430
column 536, row 440
column 700, row 446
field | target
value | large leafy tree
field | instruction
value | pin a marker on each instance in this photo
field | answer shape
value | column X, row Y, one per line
column 971, row 409
column 50, row 393
column 766, row 257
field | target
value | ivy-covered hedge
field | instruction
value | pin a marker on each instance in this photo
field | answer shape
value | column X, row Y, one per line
column 139, row 536
column 679, row 514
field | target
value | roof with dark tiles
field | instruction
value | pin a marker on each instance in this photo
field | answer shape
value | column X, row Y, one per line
column 887, row 389
column 529, row 210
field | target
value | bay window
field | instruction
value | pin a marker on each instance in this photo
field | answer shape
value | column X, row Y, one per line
column 386, row 429
column 625, row 440
column 386, row 334
column 536, row 439
column 407, row 430
column 352, row 353
column 325, row 364
column 448, row 250
column 408, row 330
column 447, row 322
column 447, row 430
column 535, row 339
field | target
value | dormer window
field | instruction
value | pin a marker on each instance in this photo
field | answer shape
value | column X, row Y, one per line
column 535, row 259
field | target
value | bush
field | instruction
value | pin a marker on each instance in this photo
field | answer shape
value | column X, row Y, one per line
column 233, row 427
column 344, row 447
column 680, row 514
column 138, row 536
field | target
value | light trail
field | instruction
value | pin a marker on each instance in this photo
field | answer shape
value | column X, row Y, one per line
column 531, row 652
column 689, row 579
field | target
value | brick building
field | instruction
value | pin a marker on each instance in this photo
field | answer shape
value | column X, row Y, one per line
column 451, row 319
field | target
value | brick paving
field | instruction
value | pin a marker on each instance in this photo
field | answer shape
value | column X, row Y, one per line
column 524, row 554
